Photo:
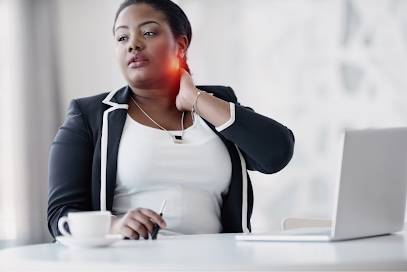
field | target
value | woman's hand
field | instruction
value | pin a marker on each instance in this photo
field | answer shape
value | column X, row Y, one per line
column 187, row 92
column 211, row 108
column 136, row 223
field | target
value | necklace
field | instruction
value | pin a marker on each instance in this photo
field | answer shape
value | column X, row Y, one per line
column 176, row 138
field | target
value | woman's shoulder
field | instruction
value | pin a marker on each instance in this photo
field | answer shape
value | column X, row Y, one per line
column 89, row 106
column 96, row 102
column 92, row 99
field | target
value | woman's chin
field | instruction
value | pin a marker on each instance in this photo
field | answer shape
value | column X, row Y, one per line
column 140, row 82
column 139, row 76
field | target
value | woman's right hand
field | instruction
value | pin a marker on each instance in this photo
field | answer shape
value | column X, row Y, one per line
column 136, row 223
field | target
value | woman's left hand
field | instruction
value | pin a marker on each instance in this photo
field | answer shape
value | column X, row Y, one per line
column 187, row 92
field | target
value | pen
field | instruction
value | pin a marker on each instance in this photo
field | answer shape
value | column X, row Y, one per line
column 156, row 227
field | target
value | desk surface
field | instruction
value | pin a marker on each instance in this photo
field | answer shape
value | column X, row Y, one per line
column 213, row 252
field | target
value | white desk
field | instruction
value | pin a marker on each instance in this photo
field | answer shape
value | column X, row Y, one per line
column 212, row 252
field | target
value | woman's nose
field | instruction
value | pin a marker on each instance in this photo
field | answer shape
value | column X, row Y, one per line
column 135, row 44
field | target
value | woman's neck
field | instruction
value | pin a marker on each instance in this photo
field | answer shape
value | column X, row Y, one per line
column 157, row 98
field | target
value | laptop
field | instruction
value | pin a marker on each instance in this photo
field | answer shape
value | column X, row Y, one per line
column 371, row 192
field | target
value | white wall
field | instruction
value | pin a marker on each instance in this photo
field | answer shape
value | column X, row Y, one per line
column 316, row 66
column 28, row 117
column 86, row 55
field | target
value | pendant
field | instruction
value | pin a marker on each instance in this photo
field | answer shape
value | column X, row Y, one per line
column 177, row 139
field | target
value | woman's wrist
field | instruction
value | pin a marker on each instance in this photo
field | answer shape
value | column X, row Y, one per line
column 191, row 98
column 194, row 108
column 213, row 109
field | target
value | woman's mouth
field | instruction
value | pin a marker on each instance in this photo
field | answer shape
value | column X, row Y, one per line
column 137, row 61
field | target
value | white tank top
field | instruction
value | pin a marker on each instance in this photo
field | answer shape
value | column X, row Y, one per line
column 191, row 176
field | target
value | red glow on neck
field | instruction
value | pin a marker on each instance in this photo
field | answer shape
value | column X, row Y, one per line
column 174, row 67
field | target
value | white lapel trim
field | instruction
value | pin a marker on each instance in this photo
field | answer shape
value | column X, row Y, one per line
column 104, row 142
column 244, row 191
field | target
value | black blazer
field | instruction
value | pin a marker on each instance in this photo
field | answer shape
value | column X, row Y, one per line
column 255, row 142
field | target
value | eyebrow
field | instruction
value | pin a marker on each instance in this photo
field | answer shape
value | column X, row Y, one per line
column 140, row 25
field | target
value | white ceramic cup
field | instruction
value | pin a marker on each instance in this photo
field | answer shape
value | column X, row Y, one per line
column 92, row 224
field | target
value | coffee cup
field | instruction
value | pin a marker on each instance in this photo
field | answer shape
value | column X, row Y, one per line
column 89, row 224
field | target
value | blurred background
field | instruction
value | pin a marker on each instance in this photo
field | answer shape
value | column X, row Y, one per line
column 317, row 66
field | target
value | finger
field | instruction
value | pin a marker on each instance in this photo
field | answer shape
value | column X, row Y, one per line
column 130, row 233
column 145, row 220
column 154, row 217
column 138, row 227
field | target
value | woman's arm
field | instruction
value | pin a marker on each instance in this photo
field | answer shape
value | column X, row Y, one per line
column 266, row 144
column 70, row 164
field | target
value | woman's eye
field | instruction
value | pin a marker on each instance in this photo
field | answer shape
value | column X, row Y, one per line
column 149, row 33
column 122, row 38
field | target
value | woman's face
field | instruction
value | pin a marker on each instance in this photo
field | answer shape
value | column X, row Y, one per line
column 145, row 46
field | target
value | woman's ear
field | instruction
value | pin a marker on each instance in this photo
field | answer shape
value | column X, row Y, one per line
column 182, row 44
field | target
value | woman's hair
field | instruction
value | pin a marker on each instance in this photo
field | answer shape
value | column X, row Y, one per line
column 175, row 16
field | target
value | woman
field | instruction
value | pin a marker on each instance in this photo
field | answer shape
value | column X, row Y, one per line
column 161, row 137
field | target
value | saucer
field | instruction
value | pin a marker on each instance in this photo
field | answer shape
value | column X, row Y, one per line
column 89, row 242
